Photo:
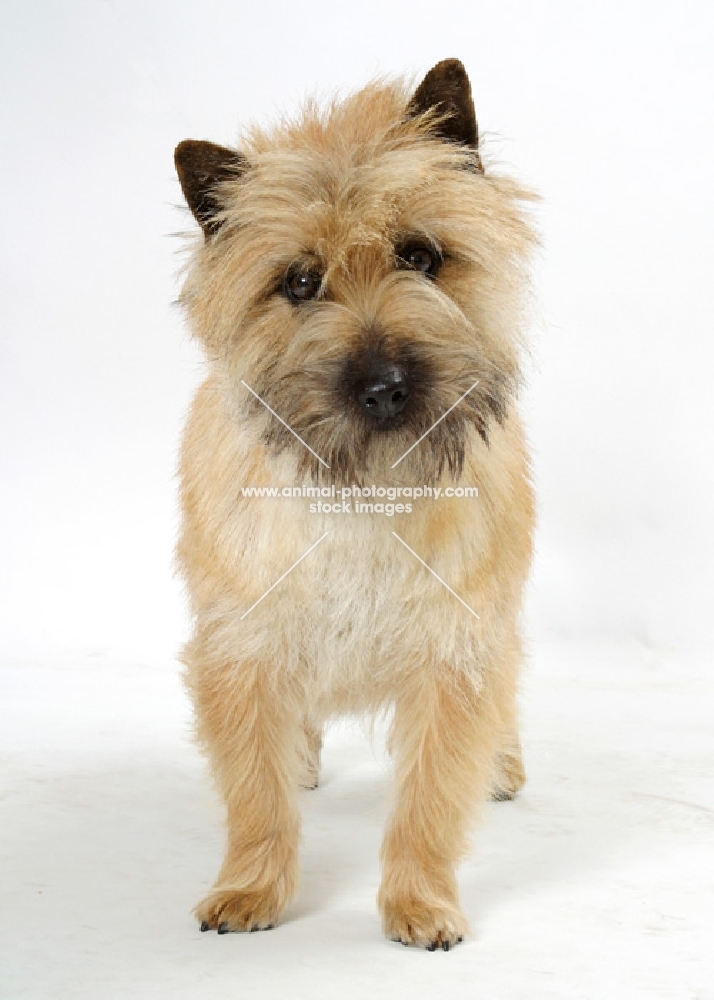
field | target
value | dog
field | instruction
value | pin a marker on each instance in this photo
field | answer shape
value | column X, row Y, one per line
column 359, row 286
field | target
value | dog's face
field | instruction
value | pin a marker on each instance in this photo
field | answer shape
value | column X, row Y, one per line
column 361, row 273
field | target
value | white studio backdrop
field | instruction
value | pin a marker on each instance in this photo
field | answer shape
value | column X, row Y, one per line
column 604, row 108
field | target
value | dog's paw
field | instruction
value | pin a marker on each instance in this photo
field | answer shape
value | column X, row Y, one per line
column 510, row 777
column 226, row 909
column 412, row 921
column 312, row 750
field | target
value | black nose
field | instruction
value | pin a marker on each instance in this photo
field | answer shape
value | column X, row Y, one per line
column 384, row 392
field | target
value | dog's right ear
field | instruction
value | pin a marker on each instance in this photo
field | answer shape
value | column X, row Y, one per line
column 201, row 168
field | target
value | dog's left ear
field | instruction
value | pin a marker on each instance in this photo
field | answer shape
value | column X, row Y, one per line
column 446, row 89
column 201, row 168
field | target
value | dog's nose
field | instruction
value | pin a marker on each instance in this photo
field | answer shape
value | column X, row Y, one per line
column 384, row 392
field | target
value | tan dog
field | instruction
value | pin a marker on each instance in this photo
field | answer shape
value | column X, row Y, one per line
column 359, row 286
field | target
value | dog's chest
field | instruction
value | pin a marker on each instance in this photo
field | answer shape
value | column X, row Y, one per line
column 361, row 604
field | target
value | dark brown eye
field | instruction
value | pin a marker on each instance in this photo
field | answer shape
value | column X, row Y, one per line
column 419, row 257
column 301, row 284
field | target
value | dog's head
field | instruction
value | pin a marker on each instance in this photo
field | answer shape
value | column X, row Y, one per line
column 360, row 273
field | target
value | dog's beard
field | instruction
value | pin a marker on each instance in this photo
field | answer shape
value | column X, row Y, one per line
column 319, row 405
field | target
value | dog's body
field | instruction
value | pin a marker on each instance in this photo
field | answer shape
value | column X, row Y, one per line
column 361, row 275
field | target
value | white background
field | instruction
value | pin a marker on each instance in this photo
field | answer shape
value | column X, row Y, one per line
column 606, row 109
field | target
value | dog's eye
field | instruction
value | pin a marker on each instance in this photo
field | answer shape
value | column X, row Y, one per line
column 301, row 284
column 419, row 257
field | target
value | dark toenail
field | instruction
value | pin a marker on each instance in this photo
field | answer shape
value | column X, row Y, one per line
column 254, row 928
column 269, row 927
column 459, row 940
column 405, row 943
column 445, row 945
column 223, row 928
column 204, row 925
column 431, row 946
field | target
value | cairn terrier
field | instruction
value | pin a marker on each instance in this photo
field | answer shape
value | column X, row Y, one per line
column 358, row 288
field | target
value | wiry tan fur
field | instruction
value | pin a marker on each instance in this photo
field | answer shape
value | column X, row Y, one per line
column 359, row 625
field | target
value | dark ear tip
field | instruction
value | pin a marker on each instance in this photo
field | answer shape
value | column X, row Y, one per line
column 451, row 68
column 181, row 150
column 449, row 74
column 182, row 155
column 186, row 152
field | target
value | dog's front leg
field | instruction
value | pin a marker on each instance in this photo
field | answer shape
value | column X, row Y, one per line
column 444, row 732
column 251, row 730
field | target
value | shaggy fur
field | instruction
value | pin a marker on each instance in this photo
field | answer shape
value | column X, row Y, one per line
column 359, row 626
